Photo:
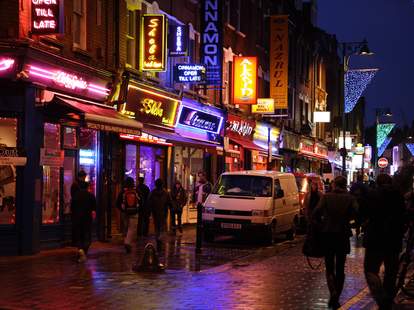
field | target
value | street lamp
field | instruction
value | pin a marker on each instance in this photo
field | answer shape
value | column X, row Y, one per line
column 349, row 49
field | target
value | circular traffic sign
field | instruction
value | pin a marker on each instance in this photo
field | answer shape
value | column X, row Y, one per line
column 383, row 162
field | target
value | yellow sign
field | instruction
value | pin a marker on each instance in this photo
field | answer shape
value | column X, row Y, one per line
column 279, row 60
column 153, row 42
column 264, row 106
column 244, row 80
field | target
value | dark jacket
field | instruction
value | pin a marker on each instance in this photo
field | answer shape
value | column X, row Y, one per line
column 384, row 219
column 158, row 202
column 332, row 216
column 143, row 192
column 83, row 202
column 309, row 204
column 178, row 197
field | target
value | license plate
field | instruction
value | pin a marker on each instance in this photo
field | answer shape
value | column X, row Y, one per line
column 231, row 226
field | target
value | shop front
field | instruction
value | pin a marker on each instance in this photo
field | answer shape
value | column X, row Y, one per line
column 260, row 158
column 55, row 111
column 312, row 156
column 239, row 147
column 289, row 148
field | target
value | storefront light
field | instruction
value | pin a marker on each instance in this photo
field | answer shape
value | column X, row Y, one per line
column 6, row 63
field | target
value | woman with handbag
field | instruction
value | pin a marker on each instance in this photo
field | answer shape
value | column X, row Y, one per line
column 332, row 219
column 178, row 201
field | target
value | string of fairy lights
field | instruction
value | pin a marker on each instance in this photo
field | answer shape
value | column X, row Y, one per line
column 356, row 81
column 410, row 147
column 383, row 130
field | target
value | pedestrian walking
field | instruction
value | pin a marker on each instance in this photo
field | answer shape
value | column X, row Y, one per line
column 159, row 201
column 384, row 218
column 360, row 191
column 202, row 188
column 83, row 207
column 332, row 217
column 143, row 212
column 178, row 201
column 128, row 203
column 311, row 200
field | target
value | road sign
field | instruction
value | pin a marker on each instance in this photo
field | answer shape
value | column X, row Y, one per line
column 383, row 162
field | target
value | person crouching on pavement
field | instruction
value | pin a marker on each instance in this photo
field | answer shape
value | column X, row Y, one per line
column 128, row 203
column 179, row 199
column 384, row 216
column 83, row 207
column 332, row 216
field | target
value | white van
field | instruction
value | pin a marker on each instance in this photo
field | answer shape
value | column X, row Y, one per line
column 262, row 202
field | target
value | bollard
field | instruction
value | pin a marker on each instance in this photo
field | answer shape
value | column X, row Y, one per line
column 199, row 232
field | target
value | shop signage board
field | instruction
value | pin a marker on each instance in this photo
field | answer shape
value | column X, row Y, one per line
column 201, row 120
column 178, row 40
column 150, row 107
column 260, row 136
column 383, row 162
column 279, row 60
column 153, row 42
column 321, row 150
column 12, row 156
column 239, row 128
column 47, row 17
column 189, row 73
column 307, row 146
column 212, row 40
column 244, row 80
column 322, row 117
column 51, row 157
column 264, row 106
column 290, row 141
column 58, row 78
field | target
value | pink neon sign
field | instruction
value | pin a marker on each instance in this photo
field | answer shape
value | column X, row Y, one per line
column 67, row 80
column 6, row 63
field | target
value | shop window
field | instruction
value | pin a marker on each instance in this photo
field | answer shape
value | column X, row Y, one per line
column 70, row 140
column 130, row 39
column 79, row 24
column 8, row 137
column 51, row 177
column 131, row 161
column 151, row 164
column 69, row 168
column 88, row 156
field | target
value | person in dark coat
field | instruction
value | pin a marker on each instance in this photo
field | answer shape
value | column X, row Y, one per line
column 144, row 214
column 158, row 202
column 332, row 216
column 312, row 199
column 360, row 191
column 384, row 217
column 178, row 199
column 83, row 207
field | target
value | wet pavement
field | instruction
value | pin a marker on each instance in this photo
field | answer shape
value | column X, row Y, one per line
column 229, row 274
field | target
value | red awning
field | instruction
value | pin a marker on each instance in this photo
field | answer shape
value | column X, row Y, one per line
column 102, row 117
column 248, row 144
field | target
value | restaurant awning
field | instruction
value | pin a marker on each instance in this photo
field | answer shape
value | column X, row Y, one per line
column 247, row 144
column 102, row 117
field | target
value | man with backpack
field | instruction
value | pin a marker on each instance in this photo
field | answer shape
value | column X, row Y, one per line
column 128, row 202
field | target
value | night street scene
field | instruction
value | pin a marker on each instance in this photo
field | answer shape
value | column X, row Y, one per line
column 206, row 154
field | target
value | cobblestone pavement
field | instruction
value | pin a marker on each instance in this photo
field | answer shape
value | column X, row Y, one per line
column 227, row 275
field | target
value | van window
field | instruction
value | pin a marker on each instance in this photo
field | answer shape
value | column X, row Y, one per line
column 278, row 187
column 244, row 185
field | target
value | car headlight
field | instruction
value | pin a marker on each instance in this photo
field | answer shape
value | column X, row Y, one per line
column 208, row 210
column 259, row 213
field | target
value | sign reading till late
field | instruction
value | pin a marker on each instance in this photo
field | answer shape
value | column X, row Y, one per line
column 189, row 73
column 46, row 16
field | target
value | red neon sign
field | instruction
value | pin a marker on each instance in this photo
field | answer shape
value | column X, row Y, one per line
column 146, row 138
column 45, row 16
column 6, row 63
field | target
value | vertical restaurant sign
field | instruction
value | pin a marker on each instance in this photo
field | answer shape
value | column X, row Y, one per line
column 153, row 42
column 46, row 16
column 279, row 60
column 244, row 80
column 211, row 40
column 178, row 40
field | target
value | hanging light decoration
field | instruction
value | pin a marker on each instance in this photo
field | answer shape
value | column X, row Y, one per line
column 384, row 146
column 356, row 81
column 383, row 130
column 410, row 147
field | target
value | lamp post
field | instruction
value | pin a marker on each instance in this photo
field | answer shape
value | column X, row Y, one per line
column 349, row 49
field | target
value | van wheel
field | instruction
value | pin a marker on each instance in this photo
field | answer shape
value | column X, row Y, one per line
column 270, row 233
column 208, row 236
column 291, row 233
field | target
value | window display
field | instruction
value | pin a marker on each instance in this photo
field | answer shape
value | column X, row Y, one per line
column 151, row 164
column 88, row 155
column 8, row 137
column 131, row 161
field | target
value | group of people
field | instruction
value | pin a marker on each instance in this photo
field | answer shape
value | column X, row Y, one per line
column 136, row 204
column 377, row 212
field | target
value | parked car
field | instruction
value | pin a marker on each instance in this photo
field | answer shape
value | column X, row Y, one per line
column 263, row 203
column 303, row 180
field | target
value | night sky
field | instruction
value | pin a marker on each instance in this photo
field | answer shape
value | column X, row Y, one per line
column 388, row 26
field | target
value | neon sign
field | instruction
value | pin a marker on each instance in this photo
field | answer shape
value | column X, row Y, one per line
column 178, row 41
column 198, row 119
column 65, row 80
column 46, row 16
column 145, row 137
column 189, row 73
column 244, row 80
column 240, row 127
column 6, row 63
column 153, row 43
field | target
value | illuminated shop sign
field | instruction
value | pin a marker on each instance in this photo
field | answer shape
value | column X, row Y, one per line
column 178, row 41
column 309, row 147
column 153, row 42
column 46, row 16
column 201, row 120
column 264, row 106
column 244, row 80
column 189, row 73
column 211, row 40
column 146, row 138
column 6, row 64
column 150, row 107
column 61, row 79
column 238, row 127
column 261, row 133
column 321, row 150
